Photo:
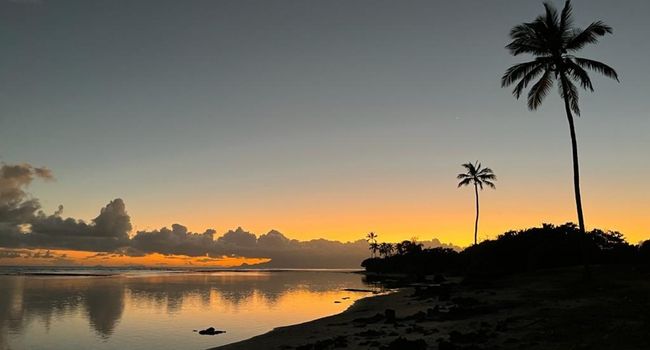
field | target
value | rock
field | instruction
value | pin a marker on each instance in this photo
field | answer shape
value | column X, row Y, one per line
column 418, row 316
column 372, row 319
column 210, row 331
column 390, row 315
column 371, row 333
column 403, row 343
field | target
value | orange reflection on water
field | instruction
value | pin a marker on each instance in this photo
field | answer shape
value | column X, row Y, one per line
column 43, row 257
column 161, row 311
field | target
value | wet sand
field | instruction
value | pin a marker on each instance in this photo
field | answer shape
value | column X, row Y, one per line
column 553, row 309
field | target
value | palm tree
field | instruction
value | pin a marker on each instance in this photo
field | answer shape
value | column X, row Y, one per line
column 386, row 249
column 552, row 39
column 372, row 240
column 478, row 177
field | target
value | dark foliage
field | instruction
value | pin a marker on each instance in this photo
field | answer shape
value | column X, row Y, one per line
column 423, row 261
column 548, row 246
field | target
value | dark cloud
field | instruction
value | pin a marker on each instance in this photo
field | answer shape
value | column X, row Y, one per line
column 178, row 240
column 16, row 206
column 24, row 225
column 238, row 238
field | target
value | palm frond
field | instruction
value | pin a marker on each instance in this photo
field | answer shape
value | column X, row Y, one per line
column 490, row 184
column 523, row 83
column 465, row 182
column 589, row 35
column 525, row 39
column 597, row 67
column 551, row 19
column 540, row 90
column 571, row 95
column 579, row 74
column 470, row 167
column 518, row 71
column 566, row 18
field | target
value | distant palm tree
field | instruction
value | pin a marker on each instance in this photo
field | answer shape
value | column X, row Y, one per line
column 550, row 39
column 372, row 240
column 386, row 249
column 478, row 177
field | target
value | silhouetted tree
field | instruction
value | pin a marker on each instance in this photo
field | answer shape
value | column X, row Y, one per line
column 408, row 247
column 372, row 240
column 551, row 38
column 478, row 177
column 386, row 249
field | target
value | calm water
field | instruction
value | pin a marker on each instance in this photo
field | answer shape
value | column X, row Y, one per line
column 145, row 310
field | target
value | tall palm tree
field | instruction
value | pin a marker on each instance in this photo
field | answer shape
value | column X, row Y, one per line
column 477, row 176
column 372, row 240
column 552, row 39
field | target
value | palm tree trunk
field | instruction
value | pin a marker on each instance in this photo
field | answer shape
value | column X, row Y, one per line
column 476, row 222
column 576, row 168
column 576, row 184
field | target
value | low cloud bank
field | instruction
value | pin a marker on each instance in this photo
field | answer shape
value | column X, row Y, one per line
column 24, row 225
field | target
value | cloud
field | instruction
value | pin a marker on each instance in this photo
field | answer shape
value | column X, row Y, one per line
column 10, row 254
column 24, row 225
column 15, row 203
column 178, row 240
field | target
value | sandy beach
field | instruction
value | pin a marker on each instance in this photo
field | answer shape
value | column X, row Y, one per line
column 553, row 309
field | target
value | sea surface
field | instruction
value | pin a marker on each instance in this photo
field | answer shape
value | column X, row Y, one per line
column 44, row 308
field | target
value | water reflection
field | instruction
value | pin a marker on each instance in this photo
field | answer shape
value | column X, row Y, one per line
column 32, row 302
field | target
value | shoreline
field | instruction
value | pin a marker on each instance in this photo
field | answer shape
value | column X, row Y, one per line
column 550, row 309
column 284, row 336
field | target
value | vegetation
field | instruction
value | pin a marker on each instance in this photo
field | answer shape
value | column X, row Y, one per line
column 372, row 240
column 552, row 39
column 548, row 246
column 477, row 176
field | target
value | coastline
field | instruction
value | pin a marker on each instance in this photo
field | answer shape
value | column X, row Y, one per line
column 322, row 328
column 550, row 309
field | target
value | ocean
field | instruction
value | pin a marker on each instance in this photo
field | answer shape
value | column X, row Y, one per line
column 108, row 308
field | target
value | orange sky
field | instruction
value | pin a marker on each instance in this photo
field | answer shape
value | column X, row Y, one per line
column 401, row 211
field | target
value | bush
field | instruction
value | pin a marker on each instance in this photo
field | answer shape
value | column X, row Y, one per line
column 548, row 246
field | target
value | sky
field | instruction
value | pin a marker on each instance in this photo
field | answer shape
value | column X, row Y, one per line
column 319, row 119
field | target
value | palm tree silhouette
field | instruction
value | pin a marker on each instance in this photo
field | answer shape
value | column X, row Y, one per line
column 478, row 177
column 372, row 240
column 386, row 249
column 551, row 39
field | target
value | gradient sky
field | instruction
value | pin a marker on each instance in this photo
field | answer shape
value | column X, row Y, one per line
column 317, row 118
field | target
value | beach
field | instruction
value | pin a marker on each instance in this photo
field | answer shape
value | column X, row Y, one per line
column 551, row 309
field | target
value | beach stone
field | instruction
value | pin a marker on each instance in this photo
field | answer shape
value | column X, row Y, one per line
column 211, row 331
column 439, row 278
column 373, row 319
column 390, row 315
column 403, row 344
